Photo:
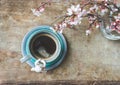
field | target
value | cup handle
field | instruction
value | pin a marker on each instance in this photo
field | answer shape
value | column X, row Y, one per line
column 25, row 59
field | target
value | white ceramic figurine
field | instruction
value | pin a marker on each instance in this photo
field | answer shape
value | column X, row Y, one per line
column 39, row 66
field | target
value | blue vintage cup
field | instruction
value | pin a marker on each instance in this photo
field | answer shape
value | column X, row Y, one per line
column 45, row 43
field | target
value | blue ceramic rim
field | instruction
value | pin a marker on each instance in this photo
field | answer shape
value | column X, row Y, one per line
column 45, row 29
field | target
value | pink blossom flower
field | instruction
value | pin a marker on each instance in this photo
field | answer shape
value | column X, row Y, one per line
column 91, row 19
column 41, row 9
column 115, row 26
column 60, row 27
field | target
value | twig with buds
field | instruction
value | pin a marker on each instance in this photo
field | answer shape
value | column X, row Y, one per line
column 75, row 14
column 39, row 10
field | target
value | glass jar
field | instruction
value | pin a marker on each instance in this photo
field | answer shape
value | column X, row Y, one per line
column 107, row 31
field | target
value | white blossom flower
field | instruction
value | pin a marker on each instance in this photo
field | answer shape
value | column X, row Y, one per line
column 115, row 9
column 64, row 25
column 107, row 27
column 111, row 12
column 88, row 32
column 97, row 26
column 73, row 10
column 82, row 13
column 73, row 22
column 77, row 19
column 103, row 11
column 117, row 17
column 95, row 7
column 91, row 19
column 70, row 12
column 36, row 12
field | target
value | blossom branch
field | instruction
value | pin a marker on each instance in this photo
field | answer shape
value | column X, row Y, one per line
column 39, row 10
column 76, row 13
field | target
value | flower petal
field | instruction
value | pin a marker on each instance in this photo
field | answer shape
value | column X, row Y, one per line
column 69, row 12
column 72, row 7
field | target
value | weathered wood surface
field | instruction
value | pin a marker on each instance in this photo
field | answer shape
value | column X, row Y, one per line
column 67, row 82
column 89, row 58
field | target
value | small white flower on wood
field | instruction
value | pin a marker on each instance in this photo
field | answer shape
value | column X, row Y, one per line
column 88, row 32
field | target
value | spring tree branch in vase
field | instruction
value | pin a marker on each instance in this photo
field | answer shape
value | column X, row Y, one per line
column 93, row 10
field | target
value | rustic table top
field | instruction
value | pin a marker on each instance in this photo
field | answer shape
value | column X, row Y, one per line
column 89, row 58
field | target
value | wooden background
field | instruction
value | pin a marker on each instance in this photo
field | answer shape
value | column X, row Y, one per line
column 92, row 58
